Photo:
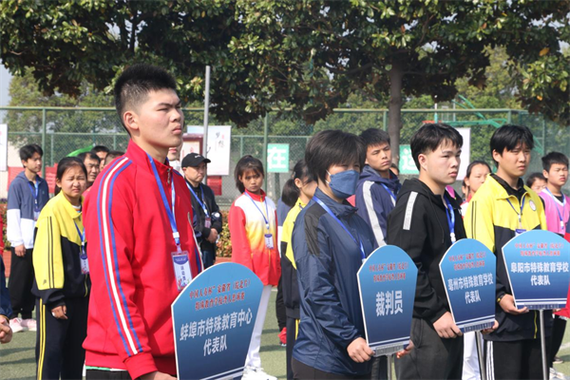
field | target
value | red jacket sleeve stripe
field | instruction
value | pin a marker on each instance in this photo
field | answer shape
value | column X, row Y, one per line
column 110, row 263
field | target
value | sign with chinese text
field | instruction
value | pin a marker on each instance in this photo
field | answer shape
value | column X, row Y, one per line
column 278, row 158
column 468, row 271
column 537, row 266
column 387, row 284
column 213, row 319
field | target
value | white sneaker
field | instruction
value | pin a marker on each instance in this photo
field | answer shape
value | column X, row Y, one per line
column 16, row 325
column 251, row 373
column 30, row 324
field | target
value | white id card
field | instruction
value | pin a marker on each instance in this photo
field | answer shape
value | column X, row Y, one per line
column 208, row 222
column 84, row 262
column 181, row 269
column 269, row 241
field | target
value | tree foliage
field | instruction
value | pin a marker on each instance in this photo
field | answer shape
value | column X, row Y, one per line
column 307, row 55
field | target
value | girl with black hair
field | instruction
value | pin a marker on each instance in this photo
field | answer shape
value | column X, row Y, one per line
column 252, row 221
column 297, row 193
column 476, row 174
column 62, row 277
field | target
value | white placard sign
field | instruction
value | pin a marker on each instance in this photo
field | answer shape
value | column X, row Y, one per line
column 219, row 143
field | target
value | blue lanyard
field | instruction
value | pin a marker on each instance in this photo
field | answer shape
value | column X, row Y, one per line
column 35, row 193
column 266, row 219
column 518, row 213
column 390, row 192
column 450, row 214
column 328, row 210
column 81, row 235
column 202, row 202
column 169, row 212
column 556, row 206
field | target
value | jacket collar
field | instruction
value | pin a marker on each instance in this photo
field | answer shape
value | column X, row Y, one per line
column 343, row 209
column 502, row 190
column 73, row 214
column 370, row 174
column 22, row 175
column 256, row 197
column 141, row 158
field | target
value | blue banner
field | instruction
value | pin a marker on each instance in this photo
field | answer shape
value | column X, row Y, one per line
column 468, row 270
column 387, row 284
column 213, row 319
column 537, row 266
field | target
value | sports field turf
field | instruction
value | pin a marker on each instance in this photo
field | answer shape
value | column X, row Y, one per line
column 17, row 359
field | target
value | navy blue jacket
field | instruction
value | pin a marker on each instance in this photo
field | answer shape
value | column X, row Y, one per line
column 375, row 202
column 327, row 261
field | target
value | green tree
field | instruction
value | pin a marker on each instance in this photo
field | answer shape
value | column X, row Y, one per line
column 307, row 55
column 67, row 130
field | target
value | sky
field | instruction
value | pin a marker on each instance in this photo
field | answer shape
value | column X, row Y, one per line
column 4, row 85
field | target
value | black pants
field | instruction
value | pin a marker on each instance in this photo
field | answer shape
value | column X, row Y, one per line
column 380, row 368
column 558, row 328
column 303, row 371
column 516, row 360
column 58, row 341
column 208, row 257
column 20, row 285
column 97, row 374
column 291, row 338
column 280, row 310
column 433, row 357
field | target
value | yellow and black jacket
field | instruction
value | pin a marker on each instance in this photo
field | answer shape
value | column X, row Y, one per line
column 493, row 221
column 56, row 255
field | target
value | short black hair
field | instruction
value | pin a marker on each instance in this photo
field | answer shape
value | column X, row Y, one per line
column 89, row 155
column 430, row 136
column 374, row 137
column 509, row 136
column 100, row 148
column 533, row 178
column 333, row 147
column 247, row 162
column 554, row 158
column 27, row 151
column 66, row 163
column 136, row 82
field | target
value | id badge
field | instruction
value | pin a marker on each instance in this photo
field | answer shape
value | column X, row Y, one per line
column 181, row 269
column 36, row 215
column 519, row 231
column 84, row 262
column 208, row 222
column 269, row 241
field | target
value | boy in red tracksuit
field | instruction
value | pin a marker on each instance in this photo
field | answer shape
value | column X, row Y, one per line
column 138, row 221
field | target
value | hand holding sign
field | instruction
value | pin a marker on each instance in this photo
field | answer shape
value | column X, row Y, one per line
column 359, row 351
column 508, row 305
column 446, row 327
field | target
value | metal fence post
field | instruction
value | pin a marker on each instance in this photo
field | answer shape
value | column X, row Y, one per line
column 385, row 120
column 265, row 134
column 44, row 127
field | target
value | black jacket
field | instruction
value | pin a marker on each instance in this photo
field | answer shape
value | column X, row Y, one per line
column 206, row 195
column 418, row 224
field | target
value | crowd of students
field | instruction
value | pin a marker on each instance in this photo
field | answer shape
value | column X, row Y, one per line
column 99, row 260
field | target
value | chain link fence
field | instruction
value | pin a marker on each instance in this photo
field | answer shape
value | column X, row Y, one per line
column 63, row 130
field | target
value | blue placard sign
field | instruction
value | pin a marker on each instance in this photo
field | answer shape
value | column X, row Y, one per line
column 387, row 284
column 468, row 270
column 213, row 319
column 537, row 267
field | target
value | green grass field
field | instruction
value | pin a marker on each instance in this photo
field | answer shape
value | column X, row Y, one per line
column 17, row 359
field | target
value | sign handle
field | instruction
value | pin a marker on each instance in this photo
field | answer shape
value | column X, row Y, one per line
column 543, row 345
column 389, row 361
column 480, row 355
